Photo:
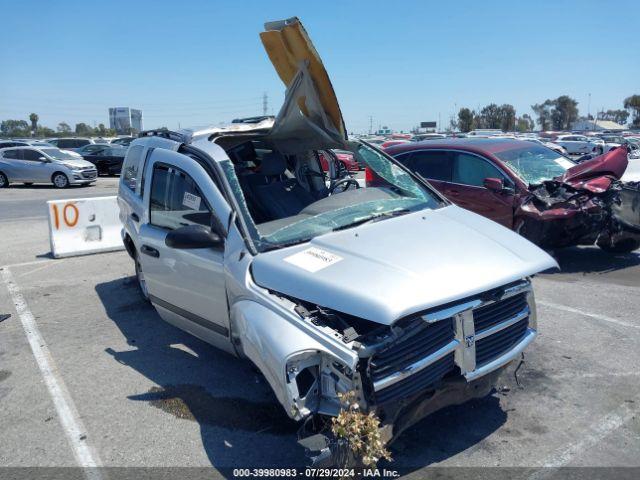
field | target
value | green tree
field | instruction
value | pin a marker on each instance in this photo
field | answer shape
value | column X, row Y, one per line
column 15, row 128
column 618, row 116
column 84, row 129
column 44, row 132
column 465, row 120
column 525, row 123
column 489, row 117
column 64, row 127
column 564, row 112
column 633, row 103
column 507, row 118
column 33, row 118
column 543, row 112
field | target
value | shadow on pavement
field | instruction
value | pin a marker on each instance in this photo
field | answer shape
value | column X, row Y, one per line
column 578, row 262
column 241, row 422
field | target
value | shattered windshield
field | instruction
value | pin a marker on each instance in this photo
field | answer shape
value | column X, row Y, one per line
column 535, row 164
column 282, row 212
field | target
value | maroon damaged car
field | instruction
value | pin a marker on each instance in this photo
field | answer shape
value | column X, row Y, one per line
column 533, row 190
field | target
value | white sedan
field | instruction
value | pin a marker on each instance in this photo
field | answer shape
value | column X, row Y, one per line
column 579, row 144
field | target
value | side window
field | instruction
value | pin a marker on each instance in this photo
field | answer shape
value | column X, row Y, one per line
column 131, row 169
column 63, row 143
column 31, row 155
column 176, row 200
column 433, row 165
column 472, row 170
column 12, row 154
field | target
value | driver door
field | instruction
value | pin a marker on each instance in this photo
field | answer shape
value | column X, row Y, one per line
column 187, row 286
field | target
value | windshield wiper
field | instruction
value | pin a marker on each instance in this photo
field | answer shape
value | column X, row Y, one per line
column 374, row 218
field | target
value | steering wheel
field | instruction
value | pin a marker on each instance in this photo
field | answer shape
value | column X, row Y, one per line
column 344, row 185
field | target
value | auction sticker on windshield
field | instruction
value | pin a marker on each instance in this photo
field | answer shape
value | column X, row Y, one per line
column 563, row 162
column 313, row 259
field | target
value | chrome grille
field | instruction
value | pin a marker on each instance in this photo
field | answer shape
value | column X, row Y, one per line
column 495, row 345
column 417, row 343
column 476, row 335
column 419, row 382
column 492, row 314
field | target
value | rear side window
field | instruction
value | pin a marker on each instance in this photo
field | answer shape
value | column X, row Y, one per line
column 12, row 154
column 176, row 200
column 131, row 169
column 435, row 165
column 472, row 170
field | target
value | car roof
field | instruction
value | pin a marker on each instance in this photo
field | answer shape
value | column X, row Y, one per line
column 484, row 145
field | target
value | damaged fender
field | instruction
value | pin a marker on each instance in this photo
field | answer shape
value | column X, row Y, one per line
column 300, row 369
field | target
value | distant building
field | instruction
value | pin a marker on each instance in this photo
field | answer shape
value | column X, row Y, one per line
column 125, row 120
column 596, row 125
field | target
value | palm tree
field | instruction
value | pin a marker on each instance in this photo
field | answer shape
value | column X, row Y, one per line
column 34, row 122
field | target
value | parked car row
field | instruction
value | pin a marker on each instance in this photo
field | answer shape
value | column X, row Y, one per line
column 38, row 163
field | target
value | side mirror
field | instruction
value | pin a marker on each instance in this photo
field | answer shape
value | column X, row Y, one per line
column 43, row 159
column 193, row 236
column 493, row 184
column 341, row 170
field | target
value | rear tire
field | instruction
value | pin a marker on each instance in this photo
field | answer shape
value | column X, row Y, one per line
column 626, row 245
column 4, row 181
column 60, row 180
column 142, row 283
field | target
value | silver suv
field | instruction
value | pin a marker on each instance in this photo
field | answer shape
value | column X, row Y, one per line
column 30, row 165
column 327, row 285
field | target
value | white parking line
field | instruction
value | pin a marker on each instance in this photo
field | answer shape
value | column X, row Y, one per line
column 66, row 409
column 595, row 316
column 32, row 262
column 595, row 435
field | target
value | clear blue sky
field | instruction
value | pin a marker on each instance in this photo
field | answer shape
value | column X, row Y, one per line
column 401, row 62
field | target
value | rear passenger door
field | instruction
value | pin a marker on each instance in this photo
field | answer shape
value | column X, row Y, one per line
column 466, row 188
column 434, row 165
column 12, row 164
column 187, row 286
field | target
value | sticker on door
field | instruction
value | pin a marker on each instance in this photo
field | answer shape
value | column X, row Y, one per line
column 191, row 201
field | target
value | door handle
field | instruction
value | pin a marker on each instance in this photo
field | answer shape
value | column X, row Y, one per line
column 135, row 217
column 147, row 250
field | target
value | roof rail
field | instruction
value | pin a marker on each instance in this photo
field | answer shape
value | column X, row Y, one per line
column 165, row 133
column 256, row 119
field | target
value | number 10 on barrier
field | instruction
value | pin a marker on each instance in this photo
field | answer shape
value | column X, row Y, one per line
column 70, row 215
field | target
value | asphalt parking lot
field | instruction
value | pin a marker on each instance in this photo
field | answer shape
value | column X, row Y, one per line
column 147, row 394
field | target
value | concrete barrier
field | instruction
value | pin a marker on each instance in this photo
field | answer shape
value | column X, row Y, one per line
column 83, row 226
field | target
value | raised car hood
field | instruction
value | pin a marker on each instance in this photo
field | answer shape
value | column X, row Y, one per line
column 310, row 117
column 386, row 270
column 612, row 163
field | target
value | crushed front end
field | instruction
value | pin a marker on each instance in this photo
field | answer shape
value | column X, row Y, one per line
column 587, row 206
column 433, row 359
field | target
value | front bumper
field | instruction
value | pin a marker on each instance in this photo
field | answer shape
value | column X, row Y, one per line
column 83, row 176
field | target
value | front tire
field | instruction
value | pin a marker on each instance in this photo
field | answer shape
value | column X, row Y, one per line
column 60, row 180
column 4, row 181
